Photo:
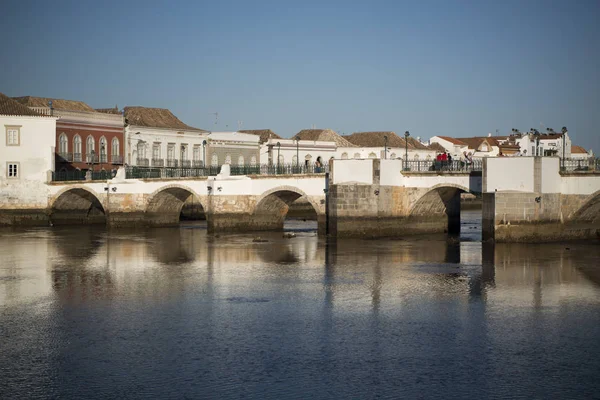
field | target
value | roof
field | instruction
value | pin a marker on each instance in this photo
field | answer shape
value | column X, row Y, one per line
column 325, row 135
column 437, row 147
column 376, row 139
column 475, row 142
column 9, row 106
column 264, row 134
column 578, row 150
column 452, row 140
column 155, row 118
column 115, row 110
column 57, row 104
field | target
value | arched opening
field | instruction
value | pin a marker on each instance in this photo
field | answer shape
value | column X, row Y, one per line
column 75, row 207
column 590, row 211
column 171, row 205
column 443, row 209
column 285, row 209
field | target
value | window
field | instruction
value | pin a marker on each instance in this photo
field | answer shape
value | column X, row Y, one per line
column 184, row 152
column 372, row 155
column 171, row 151
column 115, row 151
column 196, row 153
column 103, row 149
column 13, row 135
column 156, row 151
column 281, row 160
column 12, row 170
column 253, row 161
column 356, row 155
column 77, row 148
column 214, row 161
column 63, row 144
column 141, row 149
column 90, row 149
column 241, row 160
column 416, row 157
column 344, row 156
column 294, row 160
column 393, row 156
column 228, row 159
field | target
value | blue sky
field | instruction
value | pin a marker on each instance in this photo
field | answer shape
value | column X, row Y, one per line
column 457, row 68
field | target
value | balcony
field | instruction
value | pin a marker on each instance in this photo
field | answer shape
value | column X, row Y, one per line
column 91, row 158
column 103, row 158
column 65, row 157
column 77, row 157
column 158, row 162
column 116, row 159
column 197, row 164
column 142, row 162
column 186, row 163
column 172, row 163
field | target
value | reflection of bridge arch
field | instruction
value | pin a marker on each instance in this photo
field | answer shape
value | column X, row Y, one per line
column 590, row 211
column 441, row 199
column 76, row 205
column 165, row 204
column 272, row 206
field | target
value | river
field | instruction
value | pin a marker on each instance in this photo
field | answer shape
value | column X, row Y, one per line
column 177, row 313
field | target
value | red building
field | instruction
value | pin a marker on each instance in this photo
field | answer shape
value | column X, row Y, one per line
column 85, row 138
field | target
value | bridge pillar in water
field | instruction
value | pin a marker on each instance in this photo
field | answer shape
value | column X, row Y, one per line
column 527, row 199
column 364, row 207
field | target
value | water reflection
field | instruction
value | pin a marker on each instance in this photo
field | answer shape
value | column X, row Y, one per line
column 98, row 313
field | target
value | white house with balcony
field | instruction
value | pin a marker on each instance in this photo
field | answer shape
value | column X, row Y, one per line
column 296, row 152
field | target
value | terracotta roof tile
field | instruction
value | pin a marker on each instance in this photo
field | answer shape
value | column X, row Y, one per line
column 326, row 135
column 57, row 104
column 155, row 118
column 9, row 106
column 452, row 140
column 264, row 134
column 578, row 150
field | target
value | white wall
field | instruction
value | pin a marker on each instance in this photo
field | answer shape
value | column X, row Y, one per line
column 353, row 171
column 580, row 184
column 509, row 173
column 35, row 157
column 288, row 149
column 550, row 175
column 392, row 153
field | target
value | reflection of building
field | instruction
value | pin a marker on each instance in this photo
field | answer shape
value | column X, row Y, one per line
column 85, row 138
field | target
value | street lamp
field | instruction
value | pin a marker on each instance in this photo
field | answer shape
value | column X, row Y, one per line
column 406, row 135
column 102, row 149
column 93, row 153
column 204, row 153
column 564, row 131
column 385, row 147
column 297, row 155
column 278, row 148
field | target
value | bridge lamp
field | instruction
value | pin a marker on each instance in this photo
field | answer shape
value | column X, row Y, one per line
column 278, row 148
column 406, row 135
column 204, row 152
column 385, row 139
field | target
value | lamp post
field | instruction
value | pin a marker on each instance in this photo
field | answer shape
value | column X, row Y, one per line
column 102, row 153
column 297, row 155
column 564, row 132
column 93, row 153
column 204, row 153
column 278, row 148
column 385, row 147
column 406, row 135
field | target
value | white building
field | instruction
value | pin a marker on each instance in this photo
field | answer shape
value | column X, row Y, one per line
column 26, row 154
column 384, row 145
column 296, row 152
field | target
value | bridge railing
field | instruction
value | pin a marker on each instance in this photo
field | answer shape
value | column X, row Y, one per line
column 580, row 164
column 442, row 166
column 137, row 172
column 78, row 175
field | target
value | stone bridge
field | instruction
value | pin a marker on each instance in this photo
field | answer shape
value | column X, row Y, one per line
column 230, row 203
column 524, row 198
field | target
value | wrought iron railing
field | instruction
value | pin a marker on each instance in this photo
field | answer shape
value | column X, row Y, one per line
column 442, row 166
column 158, row 162
column 137, row 172
column 116, row 159
column 77, row 157
column 172, row 163
column 65, row 157
column 78, row 175
column 580, row 164
column 142, row 162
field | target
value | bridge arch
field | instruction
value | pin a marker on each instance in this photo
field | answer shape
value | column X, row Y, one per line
column 76, row 205
column 273, row 205
column 165, row 205
column 439, row 200
column 590, row 210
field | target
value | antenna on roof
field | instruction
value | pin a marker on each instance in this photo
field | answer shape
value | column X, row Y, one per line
column 216, row 114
